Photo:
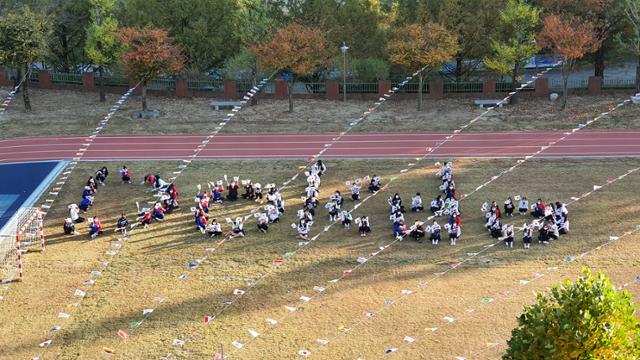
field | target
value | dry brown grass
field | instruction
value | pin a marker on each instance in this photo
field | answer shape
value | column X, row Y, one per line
column 74, row 113
column 153, row 259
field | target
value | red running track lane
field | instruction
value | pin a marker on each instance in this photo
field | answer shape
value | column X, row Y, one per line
column 584, row 143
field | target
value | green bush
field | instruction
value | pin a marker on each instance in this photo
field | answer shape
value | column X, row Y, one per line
column 588, row 319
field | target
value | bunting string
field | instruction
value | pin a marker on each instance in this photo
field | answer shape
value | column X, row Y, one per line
column 12, row 95
column 181, row 342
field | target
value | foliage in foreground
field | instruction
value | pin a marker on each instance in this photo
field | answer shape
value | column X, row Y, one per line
column 587, row 319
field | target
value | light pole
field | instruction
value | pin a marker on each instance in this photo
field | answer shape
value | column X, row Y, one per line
column 344, row 49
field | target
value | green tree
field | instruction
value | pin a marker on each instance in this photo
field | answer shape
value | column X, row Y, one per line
column 631, row 40
column 417, row 46
column 24, row 41
column 206, row 30
column 587, row 319
column 103, row 47
column 69, row 20
column 518, row 25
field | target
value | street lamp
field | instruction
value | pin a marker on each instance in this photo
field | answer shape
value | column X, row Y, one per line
column 344, row 49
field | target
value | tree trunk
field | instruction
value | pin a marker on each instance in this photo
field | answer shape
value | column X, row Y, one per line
column 638, row 76
column 144, row 95
column 254, row 81
column 25, row 89
column 458, row 72
column 18, row 77
column 565, row 90
column 599, row 62
column 514, row 81
column 103, row 97
column 420, row 91
column 290, row 94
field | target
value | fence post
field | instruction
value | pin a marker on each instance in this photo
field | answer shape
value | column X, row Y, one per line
column 436, row 89
column 44, row 79
column 489, row 88
column 542, row 87
column 383, row 87
column 4, row 78
column 282, row 93
column 332, row 90
column 182, row 89
column 594, row 86
column 230, row 89
column 88, row 81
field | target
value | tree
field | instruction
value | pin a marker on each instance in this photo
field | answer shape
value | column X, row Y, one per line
column 69, row 19
column 294, row 50
column 417, row 46
column 24, row 40
column 103, row 47
column 587, row 319
column 149, row 52
column 607, row 16
column 632, row 41
column 206, row 30
column 571, row 38
column 518, row 24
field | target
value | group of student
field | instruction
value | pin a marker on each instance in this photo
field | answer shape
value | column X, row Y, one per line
column 551, row 220
column 168, row 200
column 445, row 204
column 210, row 226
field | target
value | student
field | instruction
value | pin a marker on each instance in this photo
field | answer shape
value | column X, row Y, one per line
column 417, row 231
column 249, row 193
column 346, row 218
column 491, row 220
column 95, row 228
column 333, row 211
column 399, row 230
column 435, row 233
column 416, row 203
column 523, row 206
column 396, row 202
column 158, row 212
column 318, row 168
column 101, row 175
column 232, row 189
column 214, row 228
column 86, row 192
column 263, row 223
column 507, row 234
column 69, row 227
column 496, row 209
column 509, row 207
column 273, row 214
column 364, row 226
column 201, row 220
column 355, row 192
column 396, row 217
column 561, row 211
column 337, row 198
column 437, row 205
column 257, row 190
column 496, row 229
column 374, row 184
column 74, row 214
column 279, row 202
column 125, row 175
column 145, row 218
column 237, row 230
column 217, row 194
column 538, row 209
column 554, row 232
column 85, row 203
column 91, row 183
column 527, row 235
column 122, row 224
column 543, row 235
column 454, row 233
column 303, row 229
column 563, row 225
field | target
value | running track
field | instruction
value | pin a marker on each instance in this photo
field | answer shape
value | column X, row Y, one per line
column 291, row 146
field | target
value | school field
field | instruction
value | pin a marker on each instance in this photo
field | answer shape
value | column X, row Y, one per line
column 152, row 260
column 463, row 300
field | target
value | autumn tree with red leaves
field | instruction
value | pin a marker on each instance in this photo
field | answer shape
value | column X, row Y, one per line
column 571, row 38
column 150, row 52
column 294, row 50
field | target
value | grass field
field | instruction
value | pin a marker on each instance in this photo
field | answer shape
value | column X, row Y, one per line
column 153, row 259
column 77, row 113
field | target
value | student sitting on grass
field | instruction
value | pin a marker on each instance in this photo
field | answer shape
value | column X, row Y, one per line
column 374, row 184
column 69, row 227
column 435, row 233
column 122, row 224
column 523, row 206
column 74, row 214
column 85, row 203
column 303, row 229
column 355, row 192
column 364, row 226
column 400, row 230
column 417, row 231
column 263, row 223
column 95, row 227
column 237, row 230
column 101, row 175
column 214, row 228
column 125, row 175
column 416, row 203
column 509, row 207
column 346, row 219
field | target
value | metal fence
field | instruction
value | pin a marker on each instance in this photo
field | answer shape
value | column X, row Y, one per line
column 113, row 80
column 205, row 85
column 360, row 88
column 621, row 84
column 66, row 78
column 576, row 84
column 162, row 84
column 463, row 87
